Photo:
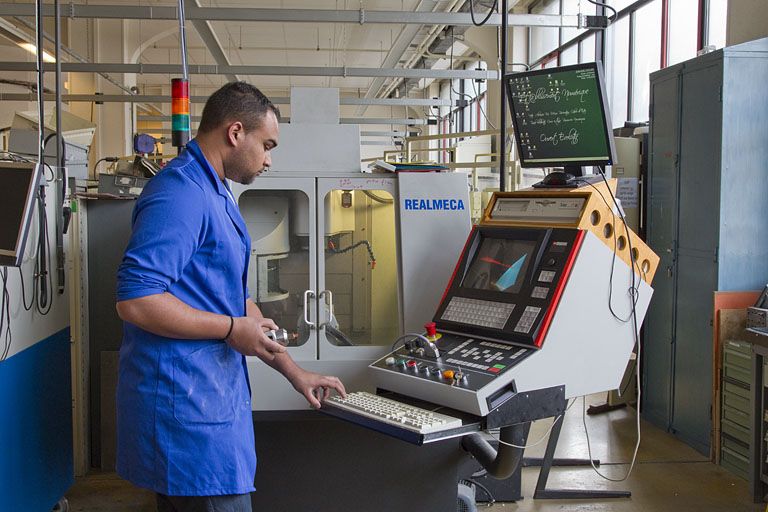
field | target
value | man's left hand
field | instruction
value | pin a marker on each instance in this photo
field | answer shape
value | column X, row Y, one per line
column 316, row 387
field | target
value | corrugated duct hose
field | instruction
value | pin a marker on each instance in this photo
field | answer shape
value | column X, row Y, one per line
column 503, row 463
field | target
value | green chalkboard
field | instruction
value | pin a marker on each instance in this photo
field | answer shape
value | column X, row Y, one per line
column 560, row 116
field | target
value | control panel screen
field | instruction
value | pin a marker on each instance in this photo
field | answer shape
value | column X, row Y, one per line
column 506, row 282
column 500, row 265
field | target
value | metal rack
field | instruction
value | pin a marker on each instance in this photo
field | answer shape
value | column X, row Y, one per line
column 736, row 432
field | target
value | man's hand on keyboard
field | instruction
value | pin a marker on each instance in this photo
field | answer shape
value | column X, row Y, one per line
column 394, row 412
column 316, row 387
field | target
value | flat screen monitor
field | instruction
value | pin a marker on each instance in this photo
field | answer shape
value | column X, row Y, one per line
column 561, row 117
column 500, row 265
column 18, row 188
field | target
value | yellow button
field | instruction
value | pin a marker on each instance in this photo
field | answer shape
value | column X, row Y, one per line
column 448, row 374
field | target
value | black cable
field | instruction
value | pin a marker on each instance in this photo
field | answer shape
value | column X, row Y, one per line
column 600, row 4
column 41, row 265
column 633, row 262
column 632, row 290
column 491, row 497
column 42, row 280
column 5, row 316
column 110, row 159
column 526, row 66
column 23, row 157
column 24, row 293
column 46, row 308
column 49, row 137
column 487, row 17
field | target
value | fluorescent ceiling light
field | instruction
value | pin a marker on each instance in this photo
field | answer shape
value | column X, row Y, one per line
column 31, row 48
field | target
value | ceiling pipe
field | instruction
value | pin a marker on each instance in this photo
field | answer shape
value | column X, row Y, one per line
column 213, row 69
column 250, row 14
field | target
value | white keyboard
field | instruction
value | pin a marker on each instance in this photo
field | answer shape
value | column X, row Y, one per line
column 394, row 413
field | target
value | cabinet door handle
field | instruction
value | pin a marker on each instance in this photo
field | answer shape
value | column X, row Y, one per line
column 307, row 295
column 329, row 303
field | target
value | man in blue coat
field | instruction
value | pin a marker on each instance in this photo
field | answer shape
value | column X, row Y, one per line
column 184, row 425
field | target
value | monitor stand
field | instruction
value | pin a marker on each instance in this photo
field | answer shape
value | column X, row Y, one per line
column 571, row 176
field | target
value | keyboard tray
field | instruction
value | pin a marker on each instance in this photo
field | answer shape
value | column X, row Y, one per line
column 470, row 423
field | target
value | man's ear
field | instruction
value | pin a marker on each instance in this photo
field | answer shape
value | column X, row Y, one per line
column 235, row 133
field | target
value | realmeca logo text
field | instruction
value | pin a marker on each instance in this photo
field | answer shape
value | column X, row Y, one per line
column 434, row 204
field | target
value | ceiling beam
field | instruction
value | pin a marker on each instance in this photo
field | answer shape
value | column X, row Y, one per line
column 389, row 134
column 399, row 47
column 213, row 69
column 343, row 120
column 206, row 33
column 247, row 14
column 148, row 98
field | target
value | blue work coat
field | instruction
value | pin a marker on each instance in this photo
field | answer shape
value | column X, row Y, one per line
column 184, row 424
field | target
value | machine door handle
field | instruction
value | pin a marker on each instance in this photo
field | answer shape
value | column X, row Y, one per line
column 307, row 295
column 329, row 303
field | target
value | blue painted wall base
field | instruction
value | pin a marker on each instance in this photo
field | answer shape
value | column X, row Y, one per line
column 36, row 467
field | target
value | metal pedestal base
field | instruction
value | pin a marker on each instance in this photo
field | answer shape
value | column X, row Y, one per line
column 542, row 493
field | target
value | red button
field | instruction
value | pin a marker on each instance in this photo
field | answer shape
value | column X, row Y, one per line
column 431, row 328
column 411, row 363
column 494, row 370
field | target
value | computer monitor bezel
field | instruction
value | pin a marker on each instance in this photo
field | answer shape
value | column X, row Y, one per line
column 606, row 114
column 541, row 236
column 14, row 257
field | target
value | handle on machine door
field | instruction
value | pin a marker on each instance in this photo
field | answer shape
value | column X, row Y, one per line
column 329, row 303
column 307, row 295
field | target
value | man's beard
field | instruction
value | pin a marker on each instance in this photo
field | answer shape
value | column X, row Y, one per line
column 238, row 169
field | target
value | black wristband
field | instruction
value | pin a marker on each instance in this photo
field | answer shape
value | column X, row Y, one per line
column 231, row 325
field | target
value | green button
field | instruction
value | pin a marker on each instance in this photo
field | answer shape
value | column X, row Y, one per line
column 499, row 366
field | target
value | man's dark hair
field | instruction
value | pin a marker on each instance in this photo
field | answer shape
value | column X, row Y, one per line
column 236, row 101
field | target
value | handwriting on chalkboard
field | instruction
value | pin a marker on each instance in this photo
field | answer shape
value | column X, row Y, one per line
column 572, row 137
column 575, row 115
column 544, row 94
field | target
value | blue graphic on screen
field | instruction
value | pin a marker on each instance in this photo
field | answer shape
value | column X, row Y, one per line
column 509, row 278
column 499, row 265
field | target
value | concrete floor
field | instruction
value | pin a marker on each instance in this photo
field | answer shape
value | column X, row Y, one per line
column 669, row 476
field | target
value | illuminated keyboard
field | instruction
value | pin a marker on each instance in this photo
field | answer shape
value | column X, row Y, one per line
column 394, row 413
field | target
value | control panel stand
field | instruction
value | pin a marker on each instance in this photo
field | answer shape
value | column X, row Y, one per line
column 542, row 493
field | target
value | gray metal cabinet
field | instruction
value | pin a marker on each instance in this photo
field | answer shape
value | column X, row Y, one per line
column 708, row 193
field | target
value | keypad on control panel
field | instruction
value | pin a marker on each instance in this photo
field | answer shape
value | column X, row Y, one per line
column 527, row 319
column 482, row 313
column 546, row 276
column 485, row 356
